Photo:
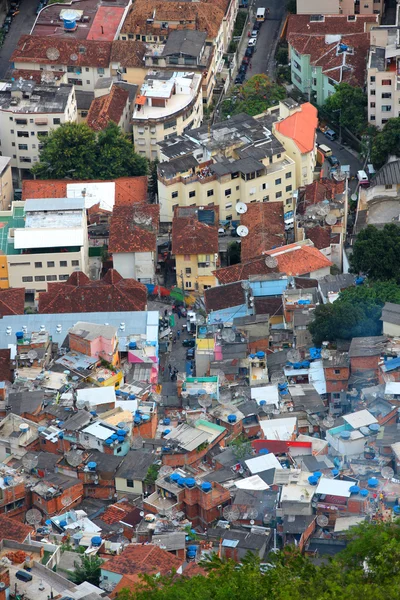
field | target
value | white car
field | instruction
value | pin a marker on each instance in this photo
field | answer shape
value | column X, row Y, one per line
column 221, row 232
column 252, row 42
column 254, row 33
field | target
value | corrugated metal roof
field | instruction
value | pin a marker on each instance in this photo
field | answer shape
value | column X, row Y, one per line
column 50, row 204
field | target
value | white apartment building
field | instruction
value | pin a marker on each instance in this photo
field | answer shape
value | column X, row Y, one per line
column 383, row 79
column 340, row 7
column 52, row 245
column 169, row 104
column 28, row 111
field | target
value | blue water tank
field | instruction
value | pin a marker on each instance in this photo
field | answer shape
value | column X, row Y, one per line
column 92, row 465
column 63, row 523
column 282, row 386
column 232, row 418
column 318, row 474
column 253, row 355
column 96, row 540
column 132, row 345
column 167, row 431
column 181, row 481
column 206, row 486
column 8, row 480
column 174, row 477
column 137, row 420
column 19, row 335
column 396, row 510
column 284, row 392
column 101, row 379
column 61, row 435
column 345, row 435
column 69, row 23
column 373, row 482
column 92, row 412
column 312, row 480
column 365, row 430
column 166, row 421
column 264, row 451
column 305, row 364
column 190, row 482
column 118, row 392
column 114, row 437
column 354, row 489
column 263, row 402
column 364, row 493
column 121, row 432
column 374, row 427
column 121, row 425
column 41, row 429
column 109, row 441
column 145, row 418
column 120, row 439
column 297, row 365
column 132, row 396
column 335, row 472
column 260, row 354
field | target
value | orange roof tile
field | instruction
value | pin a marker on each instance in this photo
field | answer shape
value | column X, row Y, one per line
column 106, row 108
column 301, row 127
column 134, row 228
column 331, row 24
column 266, row 228
column 138, row 559
column 190, row 236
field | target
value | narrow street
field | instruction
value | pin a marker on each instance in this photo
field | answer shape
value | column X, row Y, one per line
column 21, row 24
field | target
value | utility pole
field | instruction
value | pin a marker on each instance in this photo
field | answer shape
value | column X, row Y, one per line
column 183, row 287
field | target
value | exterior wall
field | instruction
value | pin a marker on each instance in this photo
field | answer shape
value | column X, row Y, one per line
column 277, row 185
column 122, row 487
column 334, row 7
column 136, row 265
column 134, row 75
column 378, row 83
column 6, row 188
column 84, row 78
column 390, row 329
column 4, row 280
column 309, row 79
column 198, row 277
column 364, row 363
column 319, row 273
column 21, row 142
column 54, row 505
column 318, row 7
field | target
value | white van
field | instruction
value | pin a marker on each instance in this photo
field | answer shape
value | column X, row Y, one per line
column 362, row 177
column 260, row 14
column 326, row 151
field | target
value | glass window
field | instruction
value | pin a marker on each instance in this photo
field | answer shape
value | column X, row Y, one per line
column 63, row 277
column 51, row 278
column 38, row 265
column 129, row 483
column 278, row 181
column 288, row 175
column 288, row 188
column 188, row 271
column 50, row 263
column 39, row 278
column 27, row 279
column 210, row 193
column 75, row 263
column 63, row 263
column 228, row 192
column 192, row 194
column 278, row 195
column 174, row 195
column 386, row 82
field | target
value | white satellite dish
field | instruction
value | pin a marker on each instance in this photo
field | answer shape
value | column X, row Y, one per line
column 278, row 378
column 73, row 458
column 205, row 401
column 241, row 208
column 74, row 57
column 242, row 231
column 200, row 320
column 224, row 397
column 30, row 461
column 32, row 354
column 293, row 355
column 328, row 421
column 231, row 513
column 331, row 219
column 387, row 473
column 33, row 516
column 52, row 53
column 271, row 261
column 353, row 197
column 322, row 520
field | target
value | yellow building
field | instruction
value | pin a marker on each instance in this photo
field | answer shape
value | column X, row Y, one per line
column 195, row 246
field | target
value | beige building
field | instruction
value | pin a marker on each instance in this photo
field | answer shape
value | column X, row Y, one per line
column 340, row 7
column 383, row 76
column 28, row 111
column 6, row 184
column 169, row 103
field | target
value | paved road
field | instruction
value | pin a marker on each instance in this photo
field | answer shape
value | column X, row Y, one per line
column 20, row 25
column 263, row 59
column 344, row 156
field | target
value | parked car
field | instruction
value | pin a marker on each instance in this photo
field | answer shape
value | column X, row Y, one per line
column 8, row 20
column 6, row 28
column 221, row 232
column 254, row 33
column 330, row 134
column 243, row 69
column 239, row 79
column 257, row 25
column 252, row 42
column 246, row 60
column 249, row 52
column 333, row 160
column 189, row 343
column 190, row 354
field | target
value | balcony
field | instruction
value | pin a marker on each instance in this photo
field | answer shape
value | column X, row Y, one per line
column 159, row 504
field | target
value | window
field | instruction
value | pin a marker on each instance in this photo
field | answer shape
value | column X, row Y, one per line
column 386, row 107
column 119, row 450
column 129, row 483
column 288, row 188
column 332, row 81
column 21, row 121
column 192, row 194
column 22, row 146
column 50, row 263
column 228, row 192
column 337, row 371
column 266, row 199
column 188, row 271
column 296, row 64
column 288, row 175
column 387, row 95
column 351, row 17
column 278, row 155
column 237, row 188
column 100, row 71
column 24, row 134
column 210, row 193
column 336, row 395
column 25, row 159
column 63, row 277
column 372, row 79
column 51, row 278
column 297, row 78
column 314, row 81
column 229, row 205
column 11, row 118
column 169, row 124
column 386, row 82
column 278, row 181
column 27, row 279
column 278, row 195
column 38, row 265
column 174, row 195
column 188, row 284
column 372, row 117
column 56, row 121
column 288, row 201
column 40, row 278
column 373, row 92
column 388, row 187
column 372, row 104
column 75, row 263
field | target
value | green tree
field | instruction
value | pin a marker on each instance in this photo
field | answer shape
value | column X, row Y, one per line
column 241, row 447
column 152, row 474
column 74, row 151
column 254, row 97
column 386, row 142
column 153, row 180
column 376, row 253
column 87, row 570
column 348, row 107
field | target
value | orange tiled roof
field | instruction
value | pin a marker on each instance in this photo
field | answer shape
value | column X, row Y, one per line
column 320, row 236
column 34, row 49
column 109, row 107
column 137, row 559
column 190, row 236
column 129, row 53
column 331, row 24
column 12, row 301
column 10, row 529
column 301, row 127
column 266, row 228
column 134, row 228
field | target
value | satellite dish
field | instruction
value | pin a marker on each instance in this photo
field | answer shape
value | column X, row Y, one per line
column 73, row 458
column 322, row 520
column 278, row 378
column 323, row 209
column 231, row 513
column 331, row 219
column 242, row 231
column 80, row 403
column 33, row 516
column 228, row 335
column 241, row 208
column 293, row 356
column 205, row 401
column 165, row 471
column 251, row 522
column 271, row 261
column 252, row 513
column 200, row 320
column 245, row 285
column 52, row 53
column 30, row 461
column 32, row 354
column 46, row 77
column 74, row 56
column 66, row 501
column 328, row 421
column 353, row 197
column 126, row 367
column 224, row 397
column 387, row 473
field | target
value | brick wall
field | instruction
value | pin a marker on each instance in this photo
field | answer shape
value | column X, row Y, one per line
column 364, row 363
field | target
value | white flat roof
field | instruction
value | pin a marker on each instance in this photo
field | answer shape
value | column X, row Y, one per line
column 278, row 429
column 334, row 487
column 269, row 393
column 102, row 192
column 47, row 238
column 361, row 418
column 392, row 387
column 99, row 430
column 254, row 483
column 263, row 463
column 344, row 523
column 98, row 395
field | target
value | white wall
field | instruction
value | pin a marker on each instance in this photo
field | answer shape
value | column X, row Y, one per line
column 135, row 265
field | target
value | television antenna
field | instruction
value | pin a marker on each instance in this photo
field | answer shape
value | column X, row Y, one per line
column 73, row 458
column 293, row 355
column 52, row 53
column 33, row 517
column 231, row 513
column 271, row 261
column 322, row 520
column 242, row 231
column 331, row 219
column 30, row 461
column 323, row 209
column 241, row 208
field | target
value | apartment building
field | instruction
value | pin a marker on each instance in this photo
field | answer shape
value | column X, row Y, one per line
column 46, row 240
column 27, row 113
column 340, row 7
column 111, row 103
column 195, row 246
column 238, row 160
column 169, row 103
column 383, row 76
column 6, row 184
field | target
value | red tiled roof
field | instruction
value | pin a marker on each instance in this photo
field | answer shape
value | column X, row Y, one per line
column 323, row 189
column 134, row 228
column 12, row 301
column 137, row 559
column 294, row 259
column 194, row 569
column 128, row 190
column 36, row 76
column 89, row 53
column 320, row 236
column 221, row 296
column 331, row 24
column 128, row 53
column 80, row 294
column 190, row 236
column 301, row 127
column 269, row 305
column 339, row 66
column 266, row 228
column 10, row 529
column 109, row 107
column 115, row 513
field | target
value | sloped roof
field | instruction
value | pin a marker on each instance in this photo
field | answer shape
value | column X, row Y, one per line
column 190, row 236
column 129, row 53
column 134, row 228
column 300, row 127
column 266, row 228
column 389, row 174
column 320, row 236
column 80, row 294
column 138, row 559
column 12, row 301
column 11, row 529
column 221, row 296
column 106, row 108
column 34, row 49
column 331, row 24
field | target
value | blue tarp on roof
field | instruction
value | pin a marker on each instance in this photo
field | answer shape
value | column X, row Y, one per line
column 392, row 364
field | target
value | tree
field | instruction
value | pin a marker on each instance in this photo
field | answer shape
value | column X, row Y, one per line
column 241, row 447
column 153, row 180
column 74, row 151
column 254, row 97
column 348, row 108
column 355, row 313
column 152, row 474
column 386, row 143
column 88, row 570
column 376, row 253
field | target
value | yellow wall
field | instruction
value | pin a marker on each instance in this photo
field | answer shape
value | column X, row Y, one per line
column 201, row 275
column 4, row 283
column 120, row 486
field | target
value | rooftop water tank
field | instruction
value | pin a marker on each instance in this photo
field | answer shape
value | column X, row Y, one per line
column 206, row 486
column 92, row 465
column 24, row 427
column 132, row 345
column 118, row 392
column 70, row 17
column 232, row 418
column 354, row 489
column 167, row 421
column 174, row 477
column 145, row 418
column 96, row 540
column 318, row 474
column 181, row 481
column 121, row 425
column 190, row 482
column 345, row 435
column 109, row 441
column 335, row 472
column 364, row 493
column 167, row 431
column 63, row 523
column 132, row 396
column 120, row 439
column 19, row 335
column 365, row 430
column 312, row 480
column 137, row 420
column 114, row 437
column 374, row 427
column 61, row 435
column 264, row 451
column 121, row 432
column 396, row 510
column 260, row 354
column 263, row 402
column 373, row 482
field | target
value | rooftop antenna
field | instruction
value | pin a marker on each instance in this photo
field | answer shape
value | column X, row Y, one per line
column 30, row 461
column 241, row 208
column 322, row 520
column 331, row 219
column 200, row 320
column 231, row 513
column 271, row 261
column 293, row 356
column 252, row 513
column 242, row 231
column 277, row 378
column 387, row 473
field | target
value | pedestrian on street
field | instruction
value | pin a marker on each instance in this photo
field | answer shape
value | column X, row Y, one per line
column 178, row 333
column 250, row 65
column 162, row 371
column 179, row 313
column 165, row 312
